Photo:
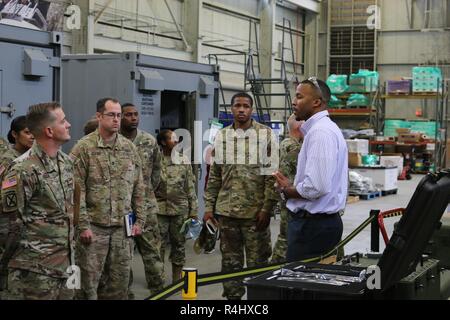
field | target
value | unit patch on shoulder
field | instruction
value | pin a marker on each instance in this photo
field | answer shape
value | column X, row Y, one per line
column 11, row 200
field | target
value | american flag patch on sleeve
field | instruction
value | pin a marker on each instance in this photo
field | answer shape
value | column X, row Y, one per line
column 9, row 183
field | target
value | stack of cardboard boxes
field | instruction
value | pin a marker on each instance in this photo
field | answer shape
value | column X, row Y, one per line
column 356, row 149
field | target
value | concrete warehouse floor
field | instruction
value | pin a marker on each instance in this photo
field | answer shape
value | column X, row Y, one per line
column 355, row 214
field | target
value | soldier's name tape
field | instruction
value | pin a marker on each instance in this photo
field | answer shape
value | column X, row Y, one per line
column 212, row 278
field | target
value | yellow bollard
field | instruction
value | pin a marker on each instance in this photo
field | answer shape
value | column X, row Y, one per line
column 189, row 291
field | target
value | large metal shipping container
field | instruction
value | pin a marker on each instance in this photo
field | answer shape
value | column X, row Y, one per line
column 169, row 94
column 29, row 71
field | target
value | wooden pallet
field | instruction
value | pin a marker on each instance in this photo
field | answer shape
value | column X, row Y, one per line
column 425, row 93
column 399, row 93
column 352, row 199
column 389, row 192
column 357, row 107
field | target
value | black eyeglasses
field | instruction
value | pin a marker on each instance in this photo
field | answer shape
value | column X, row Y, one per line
column 113, row 115
column 313, row 80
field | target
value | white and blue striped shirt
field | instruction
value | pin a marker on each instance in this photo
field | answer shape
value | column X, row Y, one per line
column 322, row 167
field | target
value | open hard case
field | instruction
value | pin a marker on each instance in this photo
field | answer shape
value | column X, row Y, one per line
column 401, row 259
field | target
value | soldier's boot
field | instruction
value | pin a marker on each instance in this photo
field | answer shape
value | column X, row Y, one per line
column 176, row 272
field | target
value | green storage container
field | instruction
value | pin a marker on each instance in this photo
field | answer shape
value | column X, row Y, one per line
column 440, row 244
column 445, row 284
column 369, row 159
column 423, row 284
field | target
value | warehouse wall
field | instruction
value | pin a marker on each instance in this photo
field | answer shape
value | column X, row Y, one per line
column 147, row 26
column 407, row 38
column 323, row 41
column 223, row 26
column 193, row 29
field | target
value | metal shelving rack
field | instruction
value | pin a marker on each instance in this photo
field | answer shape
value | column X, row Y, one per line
column 374, row 113
column 440, row 99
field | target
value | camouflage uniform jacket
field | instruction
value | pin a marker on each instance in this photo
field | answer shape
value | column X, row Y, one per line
column 6, row 158
column 289, row 150
column 239, row 190
column 110, row 181
column 151, row 159
column 37, row 192
column 4, row 146
column 176, row 191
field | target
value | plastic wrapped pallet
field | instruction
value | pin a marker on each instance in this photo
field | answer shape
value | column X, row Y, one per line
column 398, row 86
column 360, row 184
column 358, row 100
column 337, row 83
column 336, row 103
column 364, row 81
column 427, row 79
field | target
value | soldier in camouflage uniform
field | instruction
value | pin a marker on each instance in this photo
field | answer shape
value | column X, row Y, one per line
column 37, row 195
column 149, row 243
column 177, row 200
column 108, row 173
column 5, row 149
column 289, row 150
column 21, row 139
column 90, row 126
column 4, row 146
column 241, row 194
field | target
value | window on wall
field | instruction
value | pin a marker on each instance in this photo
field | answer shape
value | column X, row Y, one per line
column 352, row 43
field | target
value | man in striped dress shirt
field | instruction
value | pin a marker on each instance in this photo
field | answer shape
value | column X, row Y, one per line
column 319, row 190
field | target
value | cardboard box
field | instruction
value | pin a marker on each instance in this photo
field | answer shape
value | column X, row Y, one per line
column 360, row 146
column 354, row 159
column 402, row 131
column 390, row 161
column 399, row 86
column 410, row 137
column 384, row 178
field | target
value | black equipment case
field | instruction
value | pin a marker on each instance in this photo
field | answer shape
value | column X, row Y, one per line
column 399, row 260
column 439, row 246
